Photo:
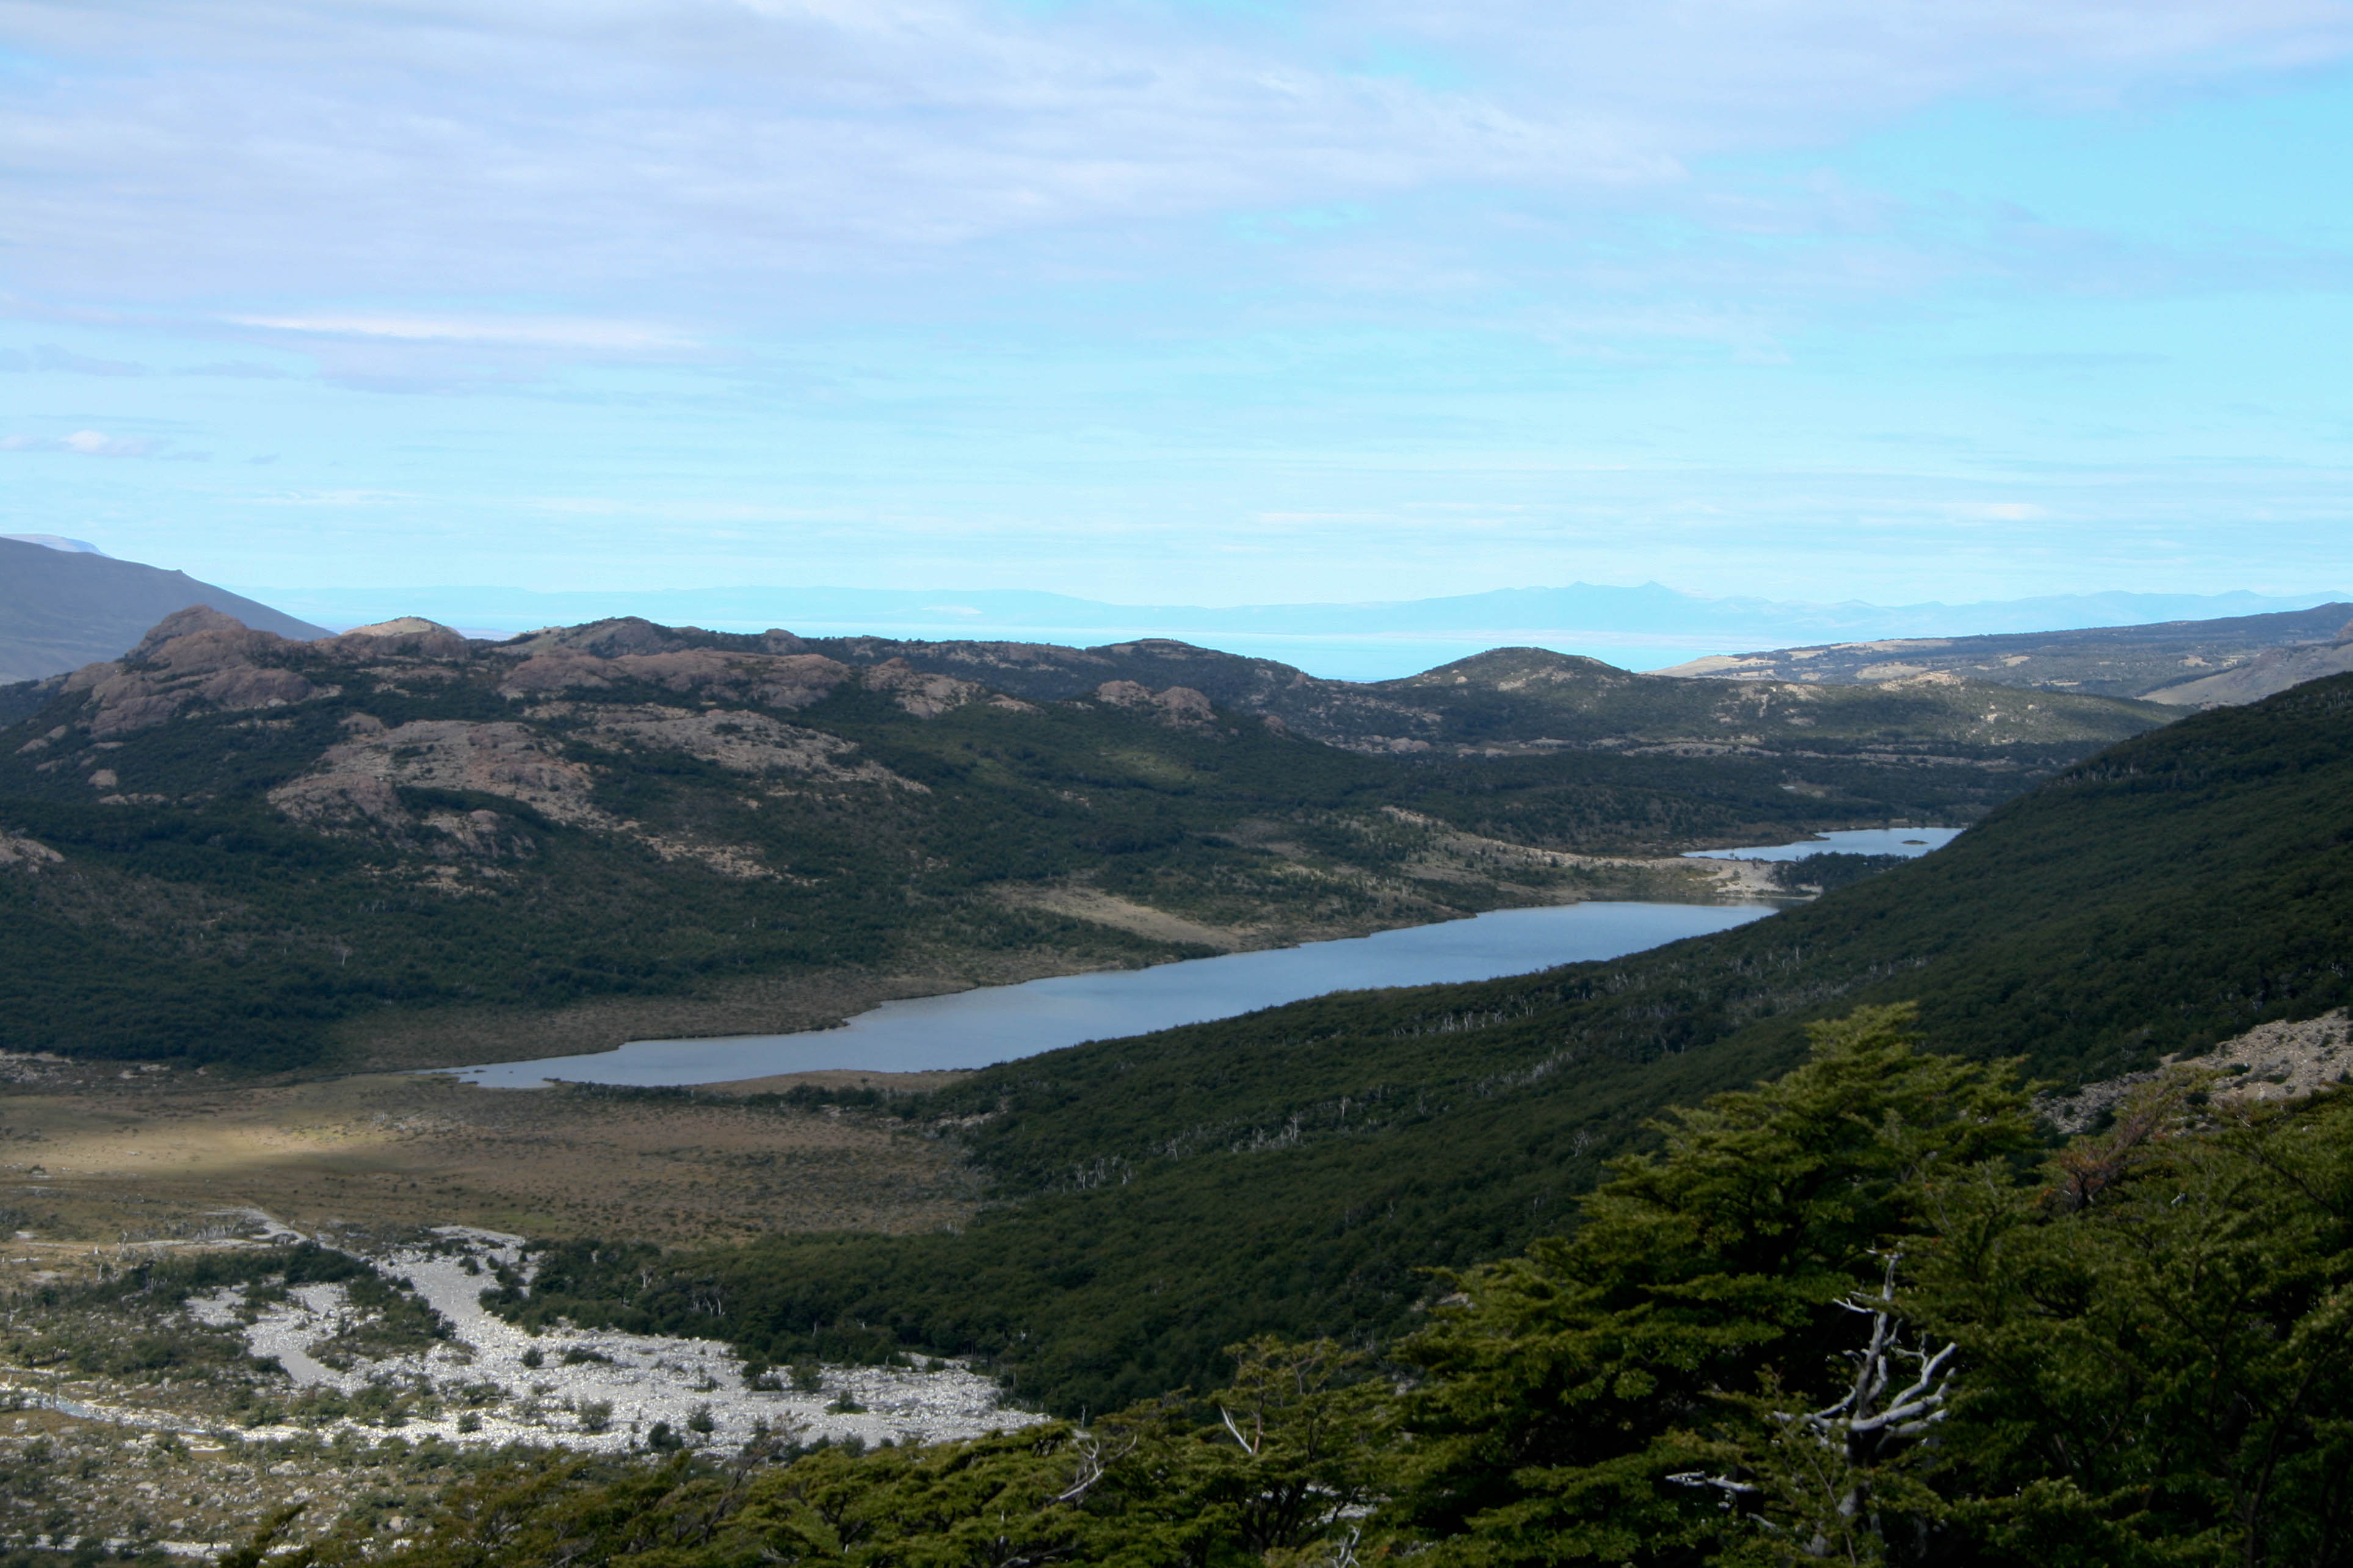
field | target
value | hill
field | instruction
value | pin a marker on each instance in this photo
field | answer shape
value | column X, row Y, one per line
column 60, row 609
column 2191, row 664
column 1299, row 1169
column 1532, row 701
column 1649, row 615
column 401, row 846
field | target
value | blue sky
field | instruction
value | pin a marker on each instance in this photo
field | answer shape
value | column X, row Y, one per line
column 1219, row 302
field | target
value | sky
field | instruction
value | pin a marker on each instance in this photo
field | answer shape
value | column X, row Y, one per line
column 1222, row 302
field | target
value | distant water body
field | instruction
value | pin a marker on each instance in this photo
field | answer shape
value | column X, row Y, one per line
column 1001, row 1023
column 1914, row 841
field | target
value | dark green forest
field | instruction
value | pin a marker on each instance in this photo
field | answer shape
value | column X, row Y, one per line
column 1860, row 1314
column 1299, row 1170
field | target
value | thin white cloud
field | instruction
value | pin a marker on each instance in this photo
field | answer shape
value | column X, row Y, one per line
column 465, row 149
column 332, row 498
column 517, row 332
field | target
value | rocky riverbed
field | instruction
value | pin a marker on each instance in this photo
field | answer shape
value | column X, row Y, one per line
column 142, row 1420
column 586, row 1388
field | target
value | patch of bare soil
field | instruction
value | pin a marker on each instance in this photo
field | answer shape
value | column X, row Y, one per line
column 1127, row 915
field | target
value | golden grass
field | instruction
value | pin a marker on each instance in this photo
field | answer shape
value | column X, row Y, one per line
column 92, row 1158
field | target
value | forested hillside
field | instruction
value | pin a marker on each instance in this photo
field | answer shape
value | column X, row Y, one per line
column 1299, row 1169
column 1854, row 1314
column 399, row 846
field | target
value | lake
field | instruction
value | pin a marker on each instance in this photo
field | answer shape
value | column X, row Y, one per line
column 998, row 1023
column 1001, row 1023
column 1912, row 841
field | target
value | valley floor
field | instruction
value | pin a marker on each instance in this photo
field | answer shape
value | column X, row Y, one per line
column 95, row 1154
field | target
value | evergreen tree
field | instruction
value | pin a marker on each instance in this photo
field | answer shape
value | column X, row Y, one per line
column 2161, row 1340
column 1579, row 1398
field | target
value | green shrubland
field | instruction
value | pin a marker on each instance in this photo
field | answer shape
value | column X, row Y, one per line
column 1858, row 1313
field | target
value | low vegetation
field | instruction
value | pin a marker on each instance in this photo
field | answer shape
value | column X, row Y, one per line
column 129, row 1323
column 1857, row 1314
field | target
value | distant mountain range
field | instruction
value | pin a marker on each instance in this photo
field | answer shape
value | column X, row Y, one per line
column 1634, row 627
column 56, row 541
column 65, row 603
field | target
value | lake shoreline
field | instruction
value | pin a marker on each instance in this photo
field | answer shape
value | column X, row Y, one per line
column 1733, row 877
column 974, row 1029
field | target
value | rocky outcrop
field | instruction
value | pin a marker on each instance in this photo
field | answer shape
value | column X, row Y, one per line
column 411, row 637
column 1179, row 706
column 355, row 787
column 772, row 680
column 356, row 780
column 26, row 855
column 740, row 741
column 197, row 657
column 615, row 638
column 926, row 695
column 198, row 661
column 2283, row 1060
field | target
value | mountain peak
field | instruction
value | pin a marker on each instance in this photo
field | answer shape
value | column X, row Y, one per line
column 57, row 541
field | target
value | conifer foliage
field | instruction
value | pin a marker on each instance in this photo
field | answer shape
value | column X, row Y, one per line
column 1611, row 1395
column 1861, row 1314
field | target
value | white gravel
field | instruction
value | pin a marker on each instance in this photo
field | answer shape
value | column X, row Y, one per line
column 645, row 1379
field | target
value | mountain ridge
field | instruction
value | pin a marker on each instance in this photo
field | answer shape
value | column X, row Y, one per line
column 1650, row 611
column 2189, row 664
column 62, row 609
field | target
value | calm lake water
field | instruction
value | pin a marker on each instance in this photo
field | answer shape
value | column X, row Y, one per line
column 1914, row 841
column 998, row 1023
column 1001, row 1023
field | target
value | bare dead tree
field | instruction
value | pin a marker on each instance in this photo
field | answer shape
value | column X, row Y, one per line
column 1899, row 1392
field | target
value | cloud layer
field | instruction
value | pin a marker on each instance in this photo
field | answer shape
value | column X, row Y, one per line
column 1286, row 298
column 180, row 148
